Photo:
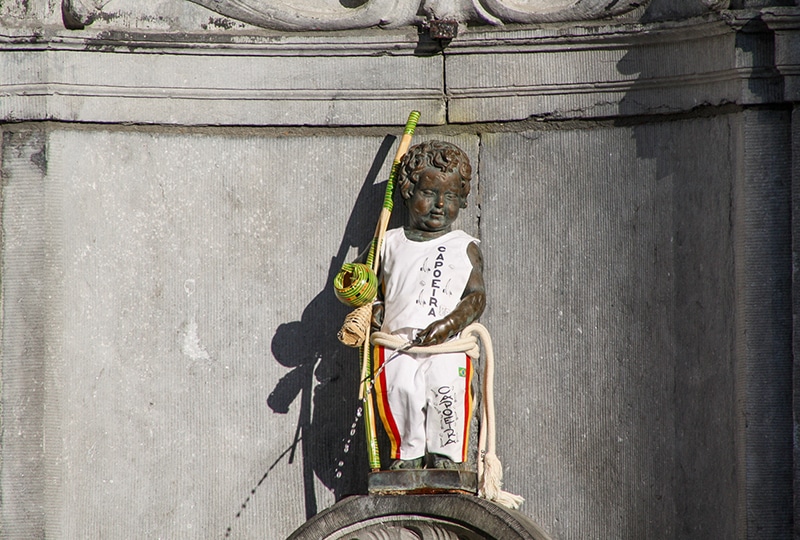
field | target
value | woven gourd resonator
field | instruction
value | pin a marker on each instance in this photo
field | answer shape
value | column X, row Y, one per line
column 356, row 285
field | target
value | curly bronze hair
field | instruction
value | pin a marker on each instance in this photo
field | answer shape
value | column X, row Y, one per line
column 441, row 155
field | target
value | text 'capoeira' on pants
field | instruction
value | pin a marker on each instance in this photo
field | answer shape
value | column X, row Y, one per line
column 425, row 402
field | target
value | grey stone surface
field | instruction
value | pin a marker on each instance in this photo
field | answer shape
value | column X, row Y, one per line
column 796, row 312
column 660, row 10
column 786, row 22
column 24, row 364
column 263, row 84
column 763, row 352
column 620, row 261
column 739, row 4
column 632, row 70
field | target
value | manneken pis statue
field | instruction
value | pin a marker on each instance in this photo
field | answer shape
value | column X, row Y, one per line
column 432, row 288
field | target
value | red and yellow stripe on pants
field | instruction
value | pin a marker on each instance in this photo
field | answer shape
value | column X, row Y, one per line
column 425, row 402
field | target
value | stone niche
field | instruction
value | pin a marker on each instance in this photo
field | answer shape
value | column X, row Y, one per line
column 181, row 180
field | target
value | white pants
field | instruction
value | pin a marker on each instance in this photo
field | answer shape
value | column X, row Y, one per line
column 425, row 402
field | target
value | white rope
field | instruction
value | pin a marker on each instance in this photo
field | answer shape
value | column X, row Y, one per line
column 490, row 470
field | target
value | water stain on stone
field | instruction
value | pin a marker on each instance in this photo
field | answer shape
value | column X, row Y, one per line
column 40, row 159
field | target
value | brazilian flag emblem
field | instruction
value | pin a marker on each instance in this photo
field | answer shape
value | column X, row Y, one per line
column 462, row 372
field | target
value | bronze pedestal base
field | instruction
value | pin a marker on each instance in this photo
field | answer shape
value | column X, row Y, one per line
column 422, row 481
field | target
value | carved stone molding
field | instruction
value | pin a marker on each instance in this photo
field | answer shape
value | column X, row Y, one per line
column 785, row 22
column 405, row 528
column 418, row 517
column 309, row 15
column 487, row 74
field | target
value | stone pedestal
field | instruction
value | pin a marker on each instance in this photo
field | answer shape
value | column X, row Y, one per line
column 428, row 517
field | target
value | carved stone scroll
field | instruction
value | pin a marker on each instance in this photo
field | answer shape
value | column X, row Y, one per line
column 309, row 15
column 537, row 11
column 282, row 15
column 298, row 16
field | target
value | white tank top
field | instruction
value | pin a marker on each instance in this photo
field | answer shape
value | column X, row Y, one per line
column 422, row 281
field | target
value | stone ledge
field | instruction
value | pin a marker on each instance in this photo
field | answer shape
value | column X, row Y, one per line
column 589, row 70
column 785, row 22
column 87, row 86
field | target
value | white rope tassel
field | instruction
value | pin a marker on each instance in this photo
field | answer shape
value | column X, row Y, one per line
column 490, row 470
column 491, row 481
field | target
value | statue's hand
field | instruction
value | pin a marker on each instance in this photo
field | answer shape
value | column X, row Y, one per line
column 437, row 332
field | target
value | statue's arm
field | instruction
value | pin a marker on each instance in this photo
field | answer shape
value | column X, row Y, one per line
column 467, row 311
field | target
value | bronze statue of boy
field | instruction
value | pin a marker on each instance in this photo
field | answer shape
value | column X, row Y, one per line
column 432, row 288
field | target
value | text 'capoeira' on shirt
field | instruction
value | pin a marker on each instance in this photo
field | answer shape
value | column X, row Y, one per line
column 423, row 281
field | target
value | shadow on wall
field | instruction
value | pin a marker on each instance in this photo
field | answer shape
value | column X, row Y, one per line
column 329, row 439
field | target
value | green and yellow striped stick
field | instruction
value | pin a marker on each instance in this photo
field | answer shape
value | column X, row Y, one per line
column 373, row 258
column 373, row 261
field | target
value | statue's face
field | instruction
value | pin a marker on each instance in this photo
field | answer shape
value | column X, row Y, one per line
column 436, row 200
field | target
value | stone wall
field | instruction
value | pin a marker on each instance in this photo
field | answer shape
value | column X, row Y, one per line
column 179, row 188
